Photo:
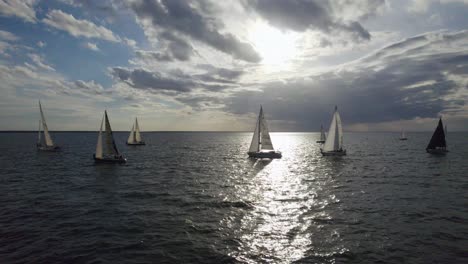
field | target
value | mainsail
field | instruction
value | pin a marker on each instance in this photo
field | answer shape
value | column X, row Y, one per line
column 106, row 147
column 322, row 134
column 137, row 131
column 39, row 134
column 48, row 139
column 131, row 137
column 438, row 138
column 334, row 141
column 402, row 135
column 261, row 139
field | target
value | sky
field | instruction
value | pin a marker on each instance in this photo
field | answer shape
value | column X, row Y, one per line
column 208, row 65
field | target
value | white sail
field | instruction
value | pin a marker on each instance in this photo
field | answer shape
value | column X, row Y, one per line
column 99, row 142
column 334, row 140
column 322, row 134
column 402, row 134
column 110, row 147
column 254, row 145
column 137, row 131
column 131, row 137
column 48, row 139
column 39, row 133
column 265, row 140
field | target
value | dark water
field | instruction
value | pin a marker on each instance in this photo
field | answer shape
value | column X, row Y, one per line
column 195, row 197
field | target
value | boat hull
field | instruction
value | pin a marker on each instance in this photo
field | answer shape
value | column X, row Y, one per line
column 333, row 153
column 320, row 141
column 48, row 149
column 265, row 155
column 441, row 151
column 137, row 143
column 403, row 139
column 109, row 160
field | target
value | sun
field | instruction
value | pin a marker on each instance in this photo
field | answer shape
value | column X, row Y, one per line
column 276, row 47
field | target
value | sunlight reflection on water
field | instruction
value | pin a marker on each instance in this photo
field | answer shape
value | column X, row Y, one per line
column 286, row 195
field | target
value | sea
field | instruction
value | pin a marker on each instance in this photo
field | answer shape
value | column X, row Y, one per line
column 195, row 197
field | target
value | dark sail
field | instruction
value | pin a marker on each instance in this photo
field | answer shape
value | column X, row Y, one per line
column 438, row 138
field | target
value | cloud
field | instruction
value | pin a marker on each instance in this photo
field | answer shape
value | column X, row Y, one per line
column 175, row 82
column 78, row 27
column 189, row 19
column 324, row 16
column 41, row 44
column 7, row 36
column 91, row 46
column 23, row 9
column 39, row 62
column 143, row 79
column 419, row 77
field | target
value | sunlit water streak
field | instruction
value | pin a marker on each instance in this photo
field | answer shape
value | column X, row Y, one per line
column 196, row 197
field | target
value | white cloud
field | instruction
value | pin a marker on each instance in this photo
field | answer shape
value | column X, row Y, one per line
column 78, row 27
column 7, row 36
column 91, row 46
column 39, row 62
column 23, row 9
column 130, row 42
column 41, row 44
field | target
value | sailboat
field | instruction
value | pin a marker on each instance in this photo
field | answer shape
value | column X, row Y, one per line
column 403, row 135
column 323, row 137
column 438, row 145
column 106, row 150
column 261, row 146
column 135, row 138
column 334, row 143
column 48, row 144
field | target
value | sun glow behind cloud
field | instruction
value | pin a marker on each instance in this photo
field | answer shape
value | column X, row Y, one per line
column 277, row 48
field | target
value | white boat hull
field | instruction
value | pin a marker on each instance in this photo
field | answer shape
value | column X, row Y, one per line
column 333, row 153
column 265, row 155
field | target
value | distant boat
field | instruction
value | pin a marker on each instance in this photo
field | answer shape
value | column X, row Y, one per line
column 106, row 150
column 48, row 144
column 334, row 143
column 438, row 145
column 261, row 146
column 323, row 137
column 135, row 138
column 403, row 136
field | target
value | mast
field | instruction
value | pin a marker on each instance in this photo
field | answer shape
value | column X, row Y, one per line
column 99, row 142
column 260, row 117
column 39, row 134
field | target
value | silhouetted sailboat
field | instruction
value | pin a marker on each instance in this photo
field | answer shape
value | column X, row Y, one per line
column 334, row 143
column 48, row 144
column 135, row 137
column 438, row 145
column 261, row 145
column 106, row 150
column 323, row 137
column 403, row 135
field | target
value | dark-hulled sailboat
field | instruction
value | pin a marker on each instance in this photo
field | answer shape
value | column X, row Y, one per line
column 438, row 145
column 106, row 150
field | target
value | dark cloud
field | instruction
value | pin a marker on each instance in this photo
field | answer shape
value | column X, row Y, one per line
column 142, row 79
column 176, row 81
column 325, row 16
column 185, row 18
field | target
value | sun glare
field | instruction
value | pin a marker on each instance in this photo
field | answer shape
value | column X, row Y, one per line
column 276, row 47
